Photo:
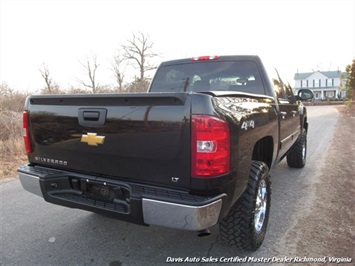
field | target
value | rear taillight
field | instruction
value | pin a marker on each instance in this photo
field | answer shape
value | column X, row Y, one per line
column 210, row 146
column 26, row 132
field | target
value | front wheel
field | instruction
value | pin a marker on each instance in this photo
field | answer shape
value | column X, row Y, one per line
column 296, row 158
column 246, row 223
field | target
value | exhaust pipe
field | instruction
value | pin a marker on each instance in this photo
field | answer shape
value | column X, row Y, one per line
column 205, row 232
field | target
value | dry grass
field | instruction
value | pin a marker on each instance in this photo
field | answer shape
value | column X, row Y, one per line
column 12, row 151
column 12, row 155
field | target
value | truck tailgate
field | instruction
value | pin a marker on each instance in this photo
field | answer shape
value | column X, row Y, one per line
column 137, row 137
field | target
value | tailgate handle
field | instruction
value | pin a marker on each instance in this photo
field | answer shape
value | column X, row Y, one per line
column 92, row 117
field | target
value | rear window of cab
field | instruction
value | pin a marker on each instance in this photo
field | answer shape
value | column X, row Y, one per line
column 240, row 76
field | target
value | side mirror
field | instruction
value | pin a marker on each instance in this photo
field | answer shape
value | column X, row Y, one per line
column 304, row 95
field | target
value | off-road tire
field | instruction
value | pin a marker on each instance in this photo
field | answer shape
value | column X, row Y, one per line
column 296, row 158
column 239, row 227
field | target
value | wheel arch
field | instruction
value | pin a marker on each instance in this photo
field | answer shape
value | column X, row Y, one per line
column 263, row 150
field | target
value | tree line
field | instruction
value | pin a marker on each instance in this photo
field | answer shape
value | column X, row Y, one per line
column 136, row 52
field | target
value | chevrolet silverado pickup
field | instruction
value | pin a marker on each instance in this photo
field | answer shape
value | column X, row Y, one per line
column 192, row 152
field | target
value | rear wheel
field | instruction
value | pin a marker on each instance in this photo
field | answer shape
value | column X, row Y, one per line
column 296, row 158
column 246, row 223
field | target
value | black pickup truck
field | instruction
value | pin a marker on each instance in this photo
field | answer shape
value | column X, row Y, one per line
column 192, row 152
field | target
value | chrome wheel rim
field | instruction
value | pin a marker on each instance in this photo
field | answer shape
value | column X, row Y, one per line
column 304, row 151
column 260, row 206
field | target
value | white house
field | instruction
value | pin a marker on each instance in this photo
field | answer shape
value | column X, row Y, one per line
column 324, row 84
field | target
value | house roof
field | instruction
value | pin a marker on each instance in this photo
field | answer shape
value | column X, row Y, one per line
column 328, row 74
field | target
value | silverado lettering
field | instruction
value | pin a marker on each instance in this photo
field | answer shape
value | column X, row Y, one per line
column 192, row 152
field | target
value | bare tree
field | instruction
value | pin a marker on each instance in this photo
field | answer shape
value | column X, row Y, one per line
column 51, row 87
column 139, row 50
column 47, row 79
column 90, row 66
column 118, row 60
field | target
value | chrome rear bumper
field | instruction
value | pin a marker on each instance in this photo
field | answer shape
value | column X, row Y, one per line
column 30, row 183
column 159, row 212
column 180, row 216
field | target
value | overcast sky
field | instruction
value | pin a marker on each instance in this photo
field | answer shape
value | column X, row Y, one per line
column 292, row 35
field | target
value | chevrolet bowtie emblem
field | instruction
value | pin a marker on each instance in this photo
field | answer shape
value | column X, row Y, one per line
column 92, row 139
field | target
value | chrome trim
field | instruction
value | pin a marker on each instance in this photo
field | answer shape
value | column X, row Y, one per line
column 30, row 183
column 181, row 216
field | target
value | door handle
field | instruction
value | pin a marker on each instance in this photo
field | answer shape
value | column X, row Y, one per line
column 283, row 114
column 294, row 113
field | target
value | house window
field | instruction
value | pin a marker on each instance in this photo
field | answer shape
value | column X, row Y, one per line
column 330, row 82
column 320, row 82
column 316, row 82
column 307, row 83
column 301, row 83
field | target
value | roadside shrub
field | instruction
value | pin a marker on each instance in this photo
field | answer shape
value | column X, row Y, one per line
column 10, row 124
column 11, row 100
column 12, row 152
column 12, row 155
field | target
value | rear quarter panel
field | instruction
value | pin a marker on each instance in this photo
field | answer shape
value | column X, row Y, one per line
column 250, row 119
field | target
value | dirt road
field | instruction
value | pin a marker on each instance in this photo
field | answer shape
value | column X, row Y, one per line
column 325, row 224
